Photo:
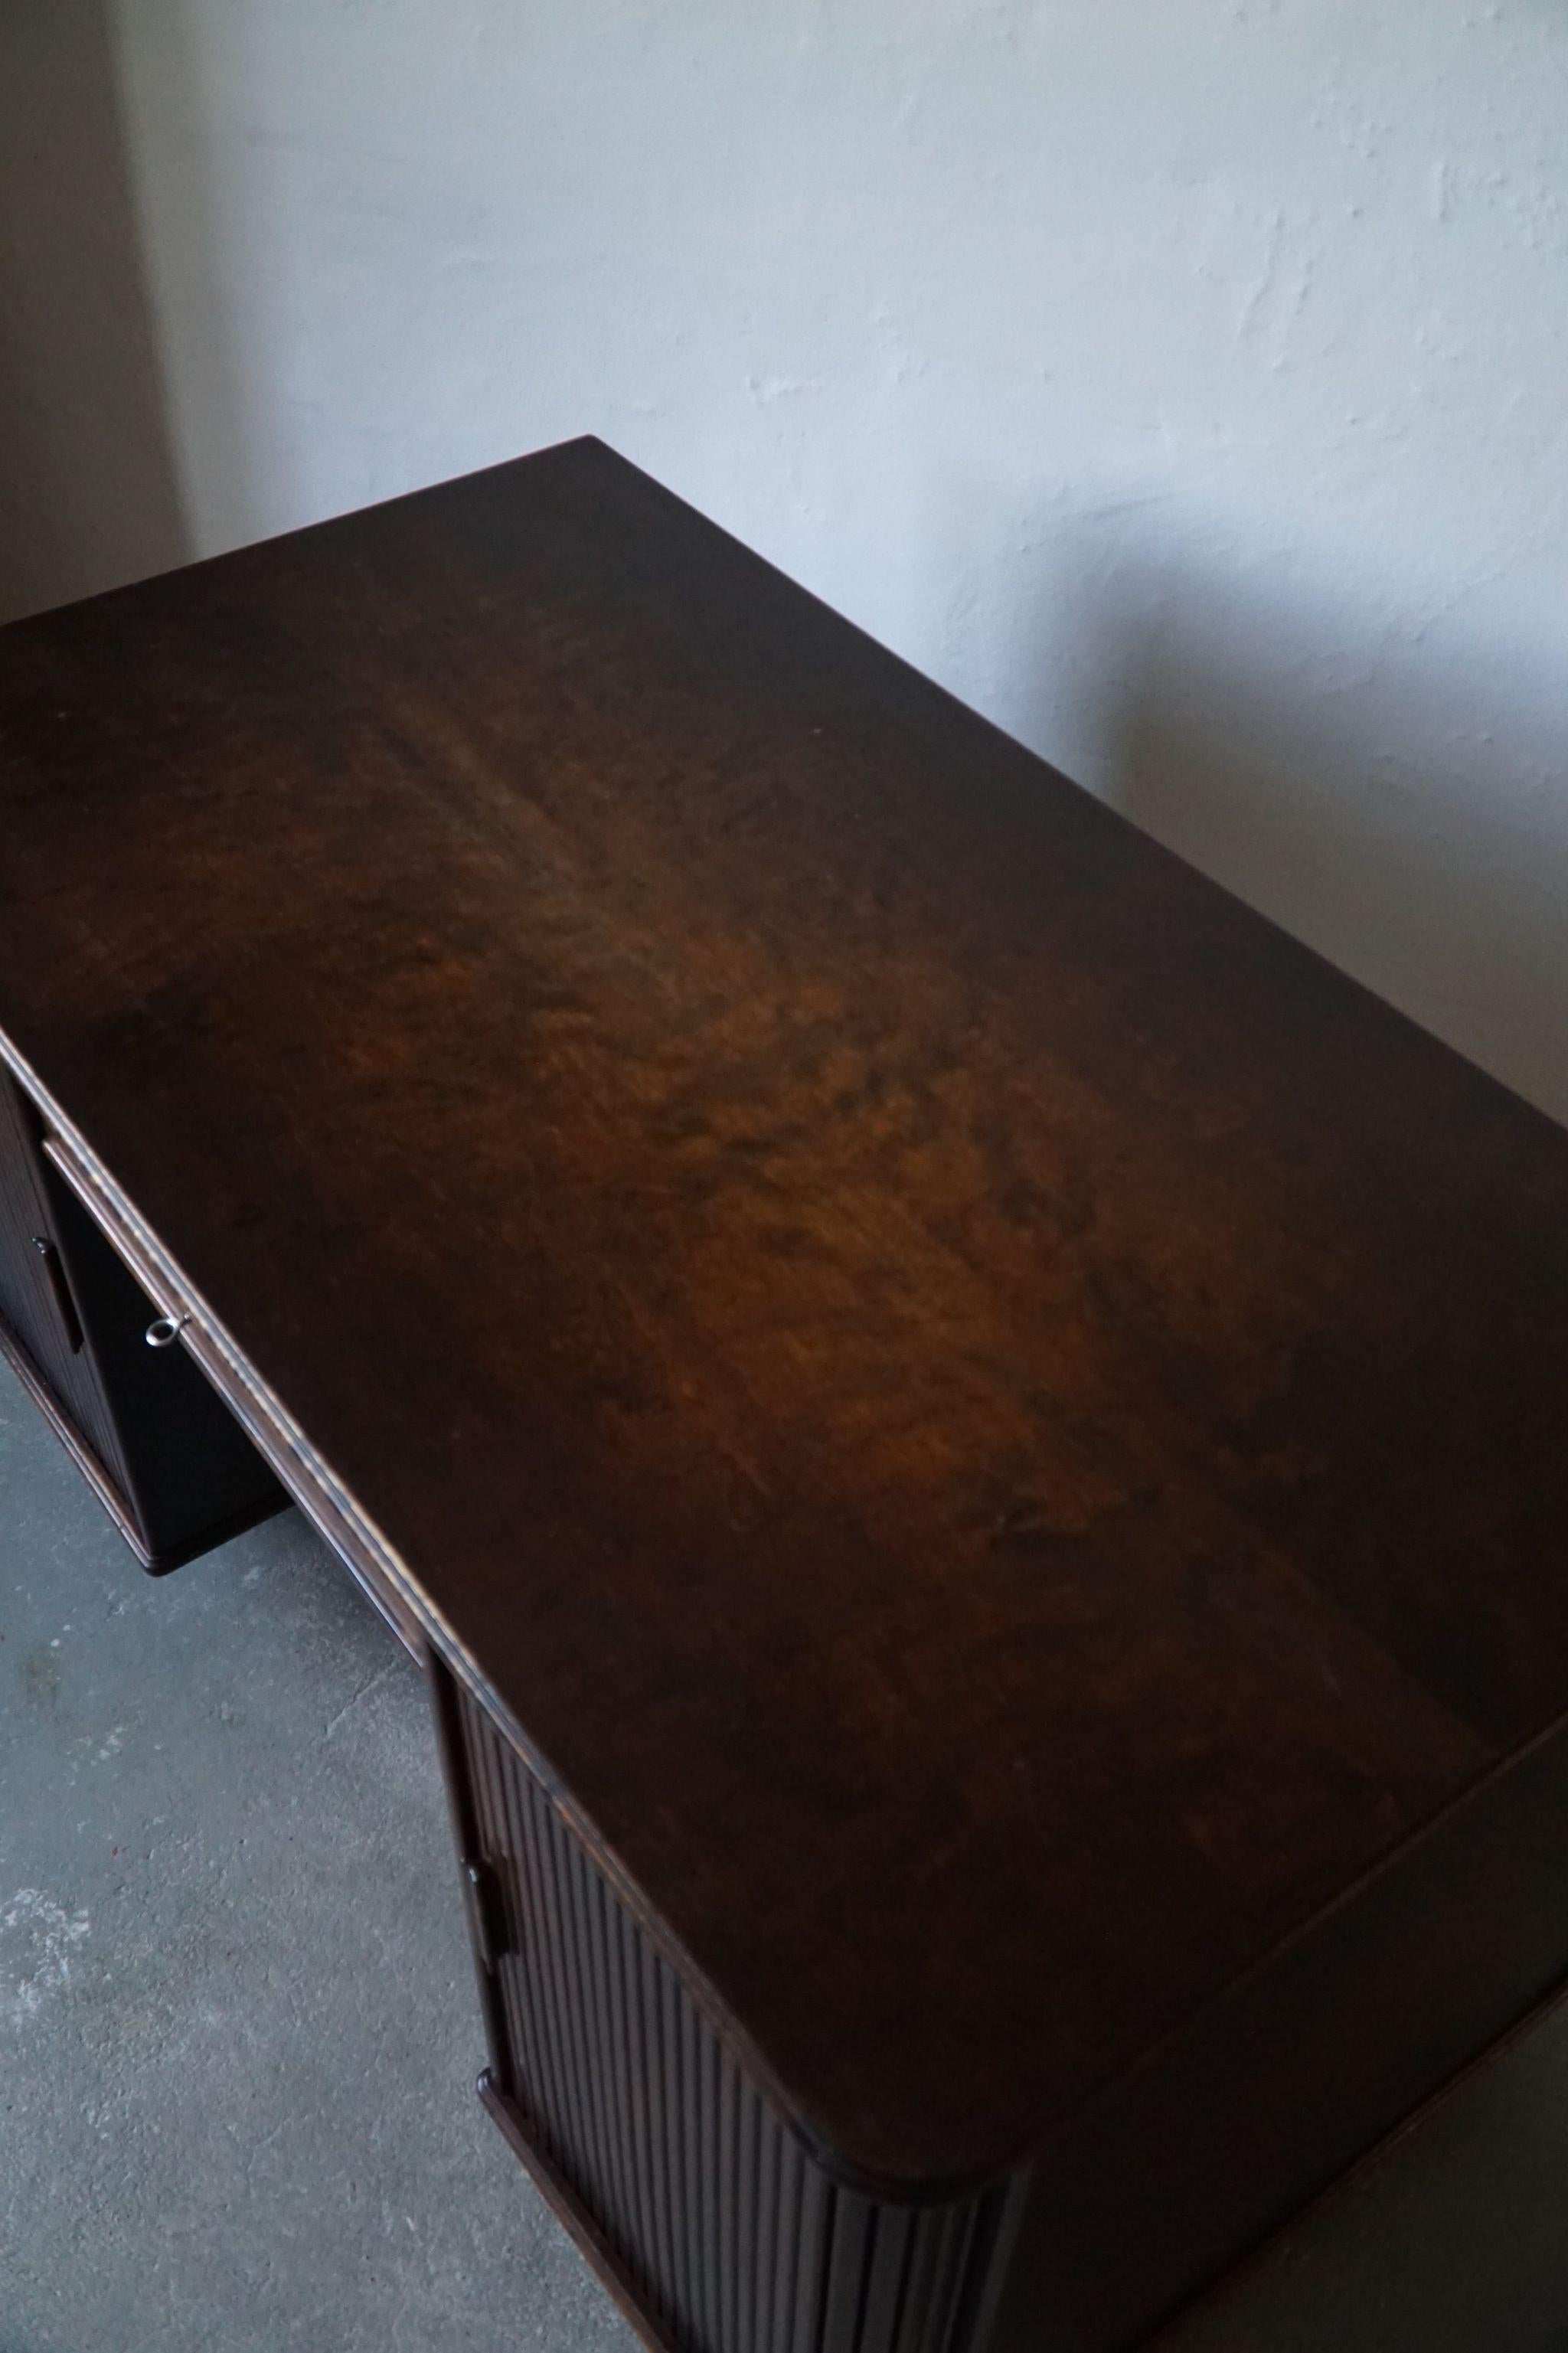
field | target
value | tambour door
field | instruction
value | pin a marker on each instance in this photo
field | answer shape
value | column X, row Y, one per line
column 716, row 2226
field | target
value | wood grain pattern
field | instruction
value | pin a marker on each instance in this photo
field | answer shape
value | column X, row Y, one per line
column 997, row 1422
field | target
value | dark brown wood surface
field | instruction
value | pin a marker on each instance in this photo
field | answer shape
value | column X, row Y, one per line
column 997, row 1424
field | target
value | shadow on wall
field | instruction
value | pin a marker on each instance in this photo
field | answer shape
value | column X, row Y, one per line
column 88, row 489
column 1386, row 793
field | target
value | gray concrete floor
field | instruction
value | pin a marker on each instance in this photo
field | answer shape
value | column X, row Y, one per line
column 238, row 2035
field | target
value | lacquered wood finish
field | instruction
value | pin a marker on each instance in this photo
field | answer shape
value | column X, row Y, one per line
column 994, row 1425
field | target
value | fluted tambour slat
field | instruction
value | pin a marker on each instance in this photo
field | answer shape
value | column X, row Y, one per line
column 734, row 2240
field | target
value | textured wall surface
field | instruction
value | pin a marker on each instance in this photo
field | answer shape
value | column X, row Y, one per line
column 1181, row 381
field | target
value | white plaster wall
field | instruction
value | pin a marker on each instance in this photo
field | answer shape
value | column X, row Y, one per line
column 1181, row 381
column 87, row 487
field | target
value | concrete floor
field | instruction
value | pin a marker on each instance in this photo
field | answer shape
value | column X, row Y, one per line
column 238, row 2035
column 238, row 2028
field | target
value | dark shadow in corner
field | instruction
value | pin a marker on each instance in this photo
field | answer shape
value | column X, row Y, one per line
column 1396, row 805
column 88, row 489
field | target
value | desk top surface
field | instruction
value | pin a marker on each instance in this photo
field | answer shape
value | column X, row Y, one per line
column 996, row 1424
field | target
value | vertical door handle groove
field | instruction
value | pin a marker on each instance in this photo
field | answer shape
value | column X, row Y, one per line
column 65, row 1305
column 484, row 1914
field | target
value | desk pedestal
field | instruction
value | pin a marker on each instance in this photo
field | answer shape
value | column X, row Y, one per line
column 163, row 1454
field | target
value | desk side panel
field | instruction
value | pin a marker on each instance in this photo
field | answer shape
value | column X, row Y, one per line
column 37, row 1305
column 192, row 1472
column 165, row 1458
column 1269, row 2095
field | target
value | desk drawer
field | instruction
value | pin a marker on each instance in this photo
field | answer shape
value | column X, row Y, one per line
column 279, row 1447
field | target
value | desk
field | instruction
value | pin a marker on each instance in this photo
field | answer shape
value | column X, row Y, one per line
column 970, row 1435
